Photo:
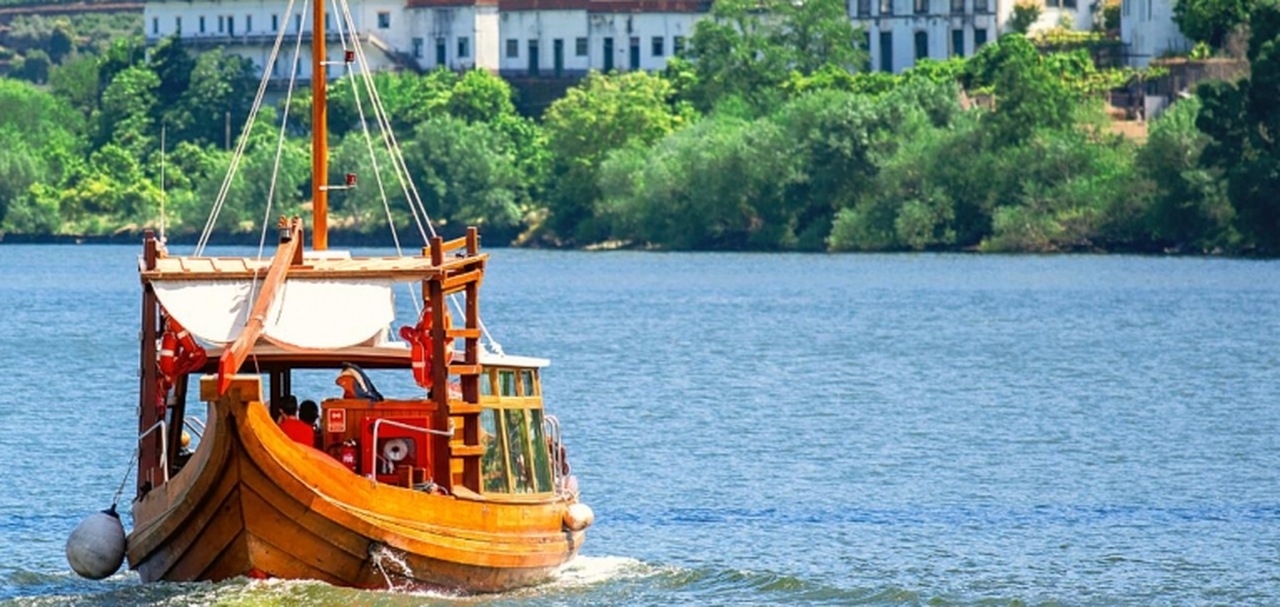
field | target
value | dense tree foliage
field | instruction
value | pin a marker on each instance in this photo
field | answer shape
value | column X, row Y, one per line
column 763, row 136
column 1211, row 21
column 1242, row 120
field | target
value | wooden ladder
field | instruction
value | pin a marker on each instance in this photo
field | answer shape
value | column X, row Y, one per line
column 462, row 274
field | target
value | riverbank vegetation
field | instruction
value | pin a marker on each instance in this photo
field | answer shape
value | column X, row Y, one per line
column 763, row 134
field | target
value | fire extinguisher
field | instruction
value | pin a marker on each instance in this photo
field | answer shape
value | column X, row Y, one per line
column 347, row 455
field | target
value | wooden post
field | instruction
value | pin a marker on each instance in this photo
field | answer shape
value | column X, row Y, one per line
column 471, row 383
column 441, row 470
column 148, row 414
column 319, row 132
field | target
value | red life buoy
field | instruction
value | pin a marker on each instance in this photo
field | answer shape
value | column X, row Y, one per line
column 179, row 354
column 420, row 351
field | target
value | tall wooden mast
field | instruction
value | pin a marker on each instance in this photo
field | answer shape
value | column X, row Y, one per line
column 319, row 130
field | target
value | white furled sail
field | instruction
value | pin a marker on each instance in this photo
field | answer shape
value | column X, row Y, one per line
column 307, row 314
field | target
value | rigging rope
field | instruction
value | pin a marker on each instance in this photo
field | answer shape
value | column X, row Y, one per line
column 401, row 167
column 243, row 140
column 127, row 470
column 284, row 123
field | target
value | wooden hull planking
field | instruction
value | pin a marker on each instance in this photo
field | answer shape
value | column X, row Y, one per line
column 252, row 502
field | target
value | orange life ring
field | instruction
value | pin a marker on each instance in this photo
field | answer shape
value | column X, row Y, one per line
column 420, row 351
column 179, row 354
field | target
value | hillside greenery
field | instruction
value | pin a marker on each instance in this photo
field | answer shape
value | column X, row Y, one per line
column 762, row 135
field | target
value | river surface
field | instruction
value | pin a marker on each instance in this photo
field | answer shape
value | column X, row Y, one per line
column 775, row 429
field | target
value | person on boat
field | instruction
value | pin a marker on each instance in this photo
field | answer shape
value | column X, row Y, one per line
column 355, row 384
column 278, row 406
column 293, row 427
column 309, row 414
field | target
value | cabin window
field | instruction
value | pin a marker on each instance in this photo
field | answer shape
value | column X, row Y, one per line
column 507, row 383
column 516, row 456
column 526, row 383
column 486, row 384
column 518, row 450
column 384, row 20
column 494, row 464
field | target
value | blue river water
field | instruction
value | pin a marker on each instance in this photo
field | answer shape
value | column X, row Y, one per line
column 775, row 429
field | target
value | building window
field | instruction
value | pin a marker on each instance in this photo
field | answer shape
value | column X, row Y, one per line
column 155, row 25
column 886, row 52
column 580, row 47
column 658, row 49
column 1125, row 8
column 231, row 25
column 201, row 24
column 177, row 25
column 275, row 23
column 222, row 24
column 864, row 8
column 866, row 46
column 980, row 6
column 297, row 22
column 464, row 47
column 513, row 47
column 921, row 6
column 1068, row 3
column 957, row 7
column 417, row 48
column 957, row 43
column 248, row 23
column 886, row 7
column 677, row 45
column 922, row 46
column 384, row 19
column 979, row 39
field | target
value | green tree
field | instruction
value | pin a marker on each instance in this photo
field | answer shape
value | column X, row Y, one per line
column 218, row 95
column 466, row 176
column 35, row 67
column 749, row 48
column 1211, row 21
column 601, row 114
column 1189, row 201
column 1028, row 95
column 125, row 116
column 77, row 82
column 61, row 42
column 1241, row 120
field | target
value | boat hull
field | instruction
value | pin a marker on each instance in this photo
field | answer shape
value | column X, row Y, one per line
column 250, row 502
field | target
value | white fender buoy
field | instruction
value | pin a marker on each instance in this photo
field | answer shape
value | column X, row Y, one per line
column 578, row 517
column 95, row 548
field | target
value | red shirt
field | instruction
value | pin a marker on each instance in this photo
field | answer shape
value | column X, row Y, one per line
column 299, row 431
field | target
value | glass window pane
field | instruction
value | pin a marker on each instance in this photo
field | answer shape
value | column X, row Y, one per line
column 541, row 452
column 486, row 384
column 507, row 383
column 518, row 460
column 526, row 379
column 494, row 462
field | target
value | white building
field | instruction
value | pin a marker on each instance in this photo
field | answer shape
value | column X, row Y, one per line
column 542, row 38
column 900, row 32
column 1148, row 30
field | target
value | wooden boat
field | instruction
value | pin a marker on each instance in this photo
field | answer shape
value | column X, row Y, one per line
column 463, row 485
